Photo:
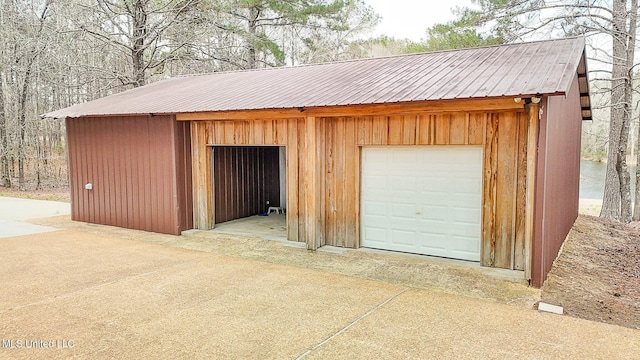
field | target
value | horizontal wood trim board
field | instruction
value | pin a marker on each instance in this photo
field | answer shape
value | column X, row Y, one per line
column 359, row 110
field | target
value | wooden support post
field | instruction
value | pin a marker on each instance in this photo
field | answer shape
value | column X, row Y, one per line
column 312, row 184
column 202, row 177
column 532, row 158
column 293, row 181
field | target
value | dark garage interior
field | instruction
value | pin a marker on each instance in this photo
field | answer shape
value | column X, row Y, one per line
column 246, row 181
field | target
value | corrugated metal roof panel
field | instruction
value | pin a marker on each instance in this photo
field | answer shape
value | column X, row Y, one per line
column 514, row 70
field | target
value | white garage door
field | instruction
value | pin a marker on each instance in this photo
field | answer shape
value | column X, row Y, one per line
column 424, row 200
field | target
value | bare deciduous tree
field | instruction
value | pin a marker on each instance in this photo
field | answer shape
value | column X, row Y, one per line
column 137, row 30
column 55, row 54
column 616, row 20
column 4, row 143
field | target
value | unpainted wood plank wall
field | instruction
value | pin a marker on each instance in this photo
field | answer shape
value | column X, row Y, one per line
column 502, row 135
column 504, row 190
column 258, row 132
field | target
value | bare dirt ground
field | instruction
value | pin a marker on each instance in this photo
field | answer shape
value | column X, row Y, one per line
column 597, row 276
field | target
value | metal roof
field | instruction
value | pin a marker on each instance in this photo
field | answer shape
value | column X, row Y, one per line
column 514, row 70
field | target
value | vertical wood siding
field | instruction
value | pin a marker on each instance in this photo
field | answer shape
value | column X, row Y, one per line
column 137, row 166
column 245, row 178
column 204, row 134
column 504, row 191
column 340, row 139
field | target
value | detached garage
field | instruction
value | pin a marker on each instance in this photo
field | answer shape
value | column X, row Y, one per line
column 470, row 154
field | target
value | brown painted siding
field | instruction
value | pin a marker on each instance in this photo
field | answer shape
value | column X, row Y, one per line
column 557, row 181
column 245, row 178
column 502, row 134
column 137, row 168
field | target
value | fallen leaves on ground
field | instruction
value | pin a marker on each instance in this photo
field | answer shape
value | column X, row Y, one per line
column 597, row 275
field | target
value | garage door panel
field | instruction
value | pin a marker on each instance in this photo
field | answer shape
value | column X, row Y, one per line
column 376, row 235
column 466, row 215
column 434, row 199
column 376, row 157
column 404, row 237
column 375, row 182
column 403, row 183
column 457, row 201
column 403, row 211
column 466, row 185
column 434, row 213
column 465, row 248
column 431, row 198
column 436, row 244
column 406, row 156
column 374, row 208
column 433, row 184
column 374, row 219
column 464, row 230
column 434, row 227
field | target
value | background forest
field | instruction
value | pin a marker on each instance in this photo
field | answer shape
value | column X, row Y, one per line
column 57, row 53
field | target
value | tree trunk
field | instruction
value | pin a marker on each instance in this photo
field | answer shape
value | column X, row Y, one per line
column 4, row 143
column 138, row 48
column 22, row 122
column 254, row 12
column 632, row 41
column 623, row 171
column 611, row 204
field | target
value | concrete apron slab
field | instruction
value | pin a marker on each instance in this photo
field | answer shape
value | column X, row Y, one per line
column 421, row 324
column 125, row 299
column 408, row 270
column 116, row 298
column 11, row 228
column 14, row 212
column 271, row 227
column 25, row 209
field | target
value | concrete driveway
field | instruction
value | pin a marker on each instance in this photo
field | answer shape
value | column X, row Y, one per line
column 14, row 212
column 97, row 296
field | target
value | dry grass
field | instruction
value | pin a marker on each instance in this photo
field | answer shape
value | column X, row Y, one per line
column 62, row 195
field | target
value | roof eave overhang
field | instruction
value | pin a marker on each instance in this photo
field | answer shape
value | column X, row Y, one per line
column 503, row 103
column 583, row 87
column 77, row 116
column 398, row 108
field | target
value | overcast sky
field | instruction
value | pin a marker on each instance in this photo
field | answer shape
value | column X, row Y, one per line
column 410, row 18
